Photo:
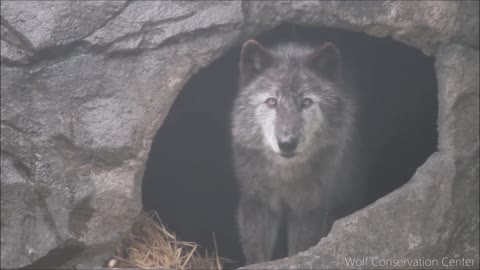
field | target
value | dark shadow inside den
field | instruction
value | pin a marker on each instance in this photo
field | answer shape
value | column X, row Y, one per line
column 189, row 179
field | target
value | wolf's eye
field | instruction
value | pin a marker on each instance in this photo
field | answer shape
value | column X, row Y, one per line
column 271, row 102
column 307, row 102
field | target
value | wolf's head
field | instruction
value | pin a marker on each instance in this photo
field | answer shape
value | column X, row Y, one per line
column 290, row 98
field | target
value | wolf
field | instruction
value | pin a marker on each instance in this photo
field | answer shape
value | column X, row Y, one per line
column 295, row 153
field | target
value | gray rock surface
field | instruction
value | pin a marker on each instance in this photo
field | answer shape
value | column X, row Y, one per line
column 58, row 22
column 85, row 85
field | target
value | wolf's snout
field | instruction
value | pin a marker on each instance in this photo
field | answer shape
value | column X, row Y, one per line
column 287, row 145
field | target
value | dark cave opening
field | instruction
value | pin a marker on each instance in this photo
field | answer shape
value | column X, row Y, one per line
column 189, row 179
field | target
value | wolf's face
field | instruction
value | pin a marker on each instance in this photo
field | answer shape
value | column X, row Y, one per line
column 292, row 94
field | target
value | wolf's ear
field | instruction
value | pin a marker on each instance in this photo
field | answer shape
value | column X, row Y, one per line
column 254, row 58
column 326, row 61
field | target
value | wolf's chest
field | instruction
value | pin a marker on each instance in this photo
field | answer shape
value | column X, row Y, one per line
column 295, row 195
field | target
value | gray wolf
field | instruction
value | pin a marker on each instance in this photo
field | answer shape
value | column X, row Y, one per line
column 294, row 145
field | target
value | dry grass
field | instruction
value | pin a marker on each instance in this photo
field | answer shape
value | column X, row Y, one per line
column 151, row 245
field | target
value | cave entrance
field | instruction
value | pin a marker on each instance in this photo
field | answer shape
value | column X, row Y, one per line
column 189, row 179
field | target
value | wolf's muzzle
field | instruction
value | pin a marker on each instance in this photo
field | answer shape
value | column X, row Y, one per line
column 288, row 146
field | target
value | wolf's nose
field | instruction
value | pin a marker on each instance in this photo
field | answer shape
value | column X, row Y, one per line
column 287, row 145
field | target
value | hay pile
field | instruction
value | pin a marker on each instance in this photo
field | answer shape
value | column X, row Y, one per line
column 151, row 245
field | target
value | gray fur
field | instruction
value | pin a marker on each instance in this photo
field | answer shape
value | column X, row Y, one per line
column 312, row 187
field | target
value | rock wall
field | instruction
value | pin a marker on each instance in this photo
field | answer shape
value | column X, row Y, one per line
column 85, row 85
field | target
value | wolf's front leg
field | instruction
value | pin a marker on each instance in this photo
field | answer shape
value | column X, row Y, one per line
column 305, row 230
column 258, row 226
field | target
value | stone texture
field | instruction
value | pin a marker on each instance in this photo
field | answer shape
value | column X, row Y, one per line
column 77, row 122
column 76, row 132
column 139, row 28
column 422, row 24
column 12, row 47
column 52, row 23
